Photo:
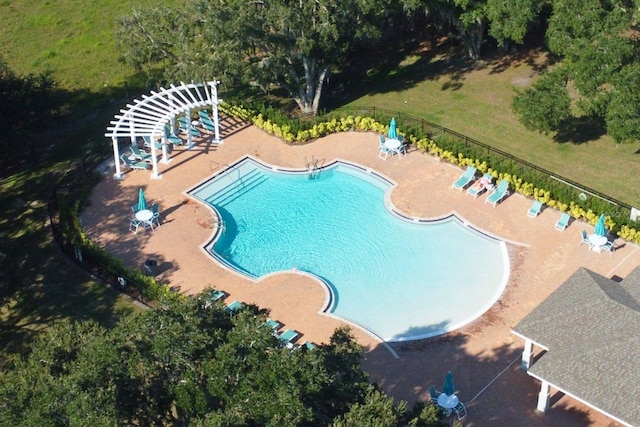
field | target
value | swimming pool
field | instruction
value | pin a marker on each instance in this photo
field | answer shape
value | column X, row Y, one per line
column 399, row 278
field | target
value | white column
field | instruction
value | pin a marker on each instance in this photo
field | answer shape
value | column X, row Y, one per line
column 544, row 397
column 187, row 115
column 214, row 111
column 527, row 354
column 116, row 156
column 165, row 154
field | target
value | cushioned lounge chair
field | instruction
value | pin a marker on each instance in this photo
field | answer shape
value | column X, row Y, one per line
column 147, row 142
column 499, row 193
column 131, row 164
column 233, row 307
column 206, row 122
column 274, row 324
column 212, row 296
column 465, row 178
column 139, row 154
column 183, row 125
column 308, row 345
column 481, row 185
column 172, row 137
column 288, row 337
column 534, row 210
column 563, row 222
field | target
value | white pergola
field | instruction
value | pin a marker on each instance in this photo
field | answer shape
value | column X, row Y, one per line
column 150, row 115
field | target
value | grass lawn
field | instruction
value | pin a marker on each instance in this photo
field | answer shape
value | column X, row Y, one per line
column 474, row 99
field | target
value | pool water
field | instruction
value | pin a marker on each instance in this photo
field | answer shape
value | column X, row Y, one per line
column 400, row 279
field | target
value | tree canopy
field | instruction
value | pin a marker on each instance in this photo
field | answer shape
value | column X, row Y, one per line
column 190, row 363
column 291, row 44
column 598, row 76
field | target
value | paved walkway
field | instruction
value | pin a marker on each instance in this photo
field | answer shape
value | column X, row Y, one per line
column 484, row 355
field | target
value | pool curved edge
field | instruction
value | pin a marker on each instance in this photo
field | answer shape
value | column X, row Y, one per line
column 327, row 307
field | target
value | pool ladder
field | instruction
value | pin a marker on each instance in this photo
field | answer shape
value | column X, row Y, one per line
column 313, row 167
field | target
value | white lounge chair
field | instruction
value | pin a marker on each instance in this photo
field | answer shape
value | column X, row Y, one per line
column 534, row 210
column 499, row 193
column 131, row 164
column 465, row 178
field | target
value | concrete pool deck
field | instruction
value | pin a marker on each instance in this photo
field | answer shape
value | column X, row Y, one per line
column 483, row 356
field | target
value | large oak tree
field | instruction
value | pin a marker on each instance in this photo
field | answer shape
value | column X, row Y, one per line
column 292, row 44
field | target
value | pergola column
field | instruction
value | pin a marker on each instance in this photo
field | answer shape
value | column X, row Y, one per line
column 544, row 397
column 116, row 156
column 527, row 354
column 165, row 154
column 187, row 116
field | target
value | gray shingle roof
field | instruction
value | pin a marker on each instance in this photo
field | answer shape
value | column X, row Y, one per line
column 591, row 327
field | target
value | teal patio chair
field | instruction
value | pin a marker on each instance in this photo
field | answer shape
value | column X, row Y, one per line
column 535, row 209
column 563, row 222
column 465, row 178
column 499, row 193
column 155, row 209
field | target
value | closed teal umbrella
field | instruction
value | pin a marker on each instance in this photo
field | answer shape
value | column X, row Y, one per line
column 393, row 133
column 142, row 203
column 600, row 228
column 448, row 387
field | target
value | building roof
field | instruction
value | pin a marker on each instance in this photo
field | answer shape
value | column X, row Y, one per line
column 590, row 327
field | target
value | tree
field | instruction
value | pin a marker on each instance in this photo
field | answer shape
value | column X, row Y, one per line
column 600, row 50
column 184, row 362
column 292, row 44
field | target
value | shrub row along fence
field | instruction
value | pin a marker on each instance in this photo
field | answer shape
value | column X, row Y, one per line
column 471, row 147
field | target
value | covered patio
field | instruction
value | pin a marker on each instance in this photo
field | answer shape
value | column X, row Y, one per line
column 587, row 331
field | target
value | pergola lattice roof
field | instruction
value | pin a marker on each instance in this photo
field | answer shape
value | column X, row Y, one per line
column 149, row 115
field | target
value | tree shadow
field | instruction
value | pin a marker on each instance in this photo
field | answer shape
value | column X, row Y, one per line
column 580, row 130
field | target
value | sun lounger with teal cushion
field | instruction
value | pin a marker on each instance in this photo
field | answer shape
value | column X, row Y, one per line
column 206, row 121
column 274, row 324
column 132, row 164
column 212, row 296
column 233, row 307
column 172, row 137
column 563, row 222
column 288, row 336
column 147, row 142
column 139, row 154
column 309, row 345
column 499, row 193
column 534, row 210
column 481, row 185
column 465, row 178
column 183, row 125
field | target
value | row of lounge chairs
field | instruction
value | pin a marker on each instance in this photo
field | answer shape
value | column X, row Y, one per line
column 479, row 186
column 287, row 336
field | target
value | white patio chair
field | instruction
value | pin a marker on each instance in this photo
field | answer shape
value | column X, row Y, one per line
column 460, row 410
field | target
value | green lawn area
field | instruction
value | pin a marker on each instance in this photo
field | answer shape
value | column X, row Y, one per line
column 475, row 99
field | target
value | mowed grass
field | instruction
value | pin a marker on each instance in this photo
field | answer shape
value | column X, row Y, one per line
column 72, row 39
column 475, row 99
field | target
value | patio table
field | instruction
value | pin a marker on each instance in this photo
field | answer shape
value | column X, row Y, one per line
column 144, row 216
column 393, row 145
column 597, row 241
column 448, row 402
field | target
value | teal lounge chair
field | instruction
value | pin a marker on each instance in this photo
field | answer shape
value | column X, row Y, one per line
column 465, row 178
column 499, row 193
column 212, row 296
column 131, row 164
column 288, row 337
column 147, row 142
column 309, row 345
column 233, row 307
column 206, row 121
column 563, row 222
column 172, row 137
column 139, row 154
column 182, row 124
column 481, row 185
column 534, row 210
column 274, row 324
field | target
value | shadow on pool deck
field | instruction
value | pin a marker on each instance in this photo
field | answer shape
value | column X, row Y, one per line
column 483, row 356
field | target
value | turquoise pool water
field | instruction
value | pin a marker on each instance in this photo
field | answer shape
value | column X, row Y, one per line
column 398, row 278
